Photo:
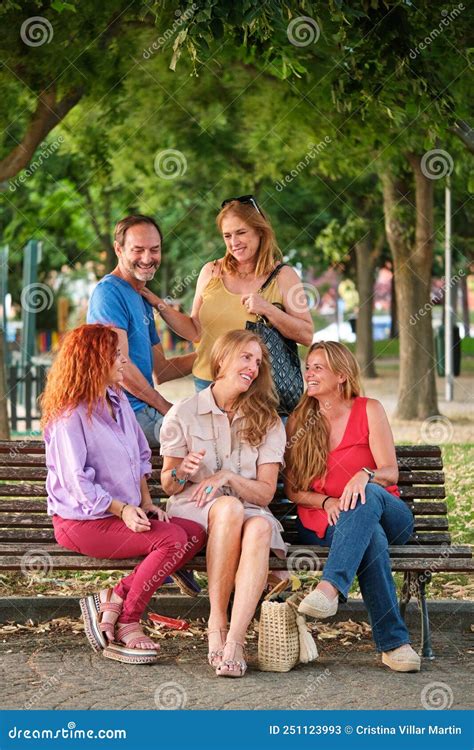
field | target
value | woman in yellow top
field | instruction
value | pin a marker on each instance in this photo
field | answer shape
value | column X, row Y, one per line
column 227, row 289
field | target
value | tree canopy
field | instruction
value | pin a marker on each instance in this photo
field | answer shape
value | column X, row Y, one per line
column 337, row 115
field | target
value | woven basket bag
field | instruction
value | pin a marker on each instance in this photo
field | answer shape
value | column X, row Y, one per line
column 283, row 638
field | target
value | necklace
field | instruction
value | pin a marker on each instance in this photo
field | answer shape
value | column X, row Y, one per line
column 244, row 274
column 224, row 411
column 216, row 452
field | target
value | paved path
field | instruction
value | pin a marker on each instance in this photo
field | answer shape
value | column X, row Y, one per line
column 61, row 672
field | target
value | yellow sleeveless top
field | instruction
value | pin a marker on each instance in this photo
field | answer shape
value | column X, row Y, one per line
column 222, row 311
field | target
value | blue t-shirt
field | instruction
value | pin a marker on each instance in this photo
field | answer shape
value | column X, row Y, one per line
column 115, row 301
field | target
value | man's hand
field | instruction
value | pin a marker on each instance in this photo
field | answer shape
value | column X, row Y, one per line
column 166, row 406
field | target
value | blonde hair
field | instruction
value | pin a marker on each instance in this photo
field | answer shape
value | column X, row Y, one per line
column 269, row 254
column 259, row 403
column 309, row 445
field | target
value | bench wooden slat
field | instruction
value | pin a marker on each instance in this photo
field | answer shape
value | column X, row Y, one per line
column 422, row 523
column 33, row 535
column 420, row 477
column 37, row 478
column 404, row 551
column 455, row 565
column 21, row 446
column 27, row 505
column 33, row 460
column 24, row 489
column 21, row 459
column 30, row 489
column 412, row 463
column 419, row 493
column 27, row 535
column 41, row 520
column 79, row 562
column 34, row 520
column 288, row 510
column 23, row 505
column 37, row 446
column 419, row 537
column 420, row 451
column 39, row 473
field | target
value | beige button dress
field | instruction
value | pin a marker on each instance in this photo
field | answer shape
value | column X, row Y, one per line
column 188, row 426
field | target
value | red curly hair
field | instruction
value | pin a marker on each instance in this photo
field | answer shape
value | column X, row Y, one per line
column 80, row 372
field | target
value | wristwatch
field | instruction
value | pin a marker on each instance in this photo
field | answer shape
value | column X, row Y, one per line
column 370, row 472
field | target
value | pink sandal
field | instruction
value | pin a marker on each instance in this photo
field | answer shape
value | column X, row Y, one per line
column 215, row 657
column 128, row 653
column 92, row 608
column 232, row 667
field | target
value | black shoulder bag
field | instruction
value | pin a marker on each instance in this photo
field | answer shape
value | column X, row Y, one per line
column 284, row 359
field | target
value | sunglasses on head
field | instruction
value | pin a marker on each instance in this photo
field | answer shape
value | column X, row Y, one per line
column 243, row 199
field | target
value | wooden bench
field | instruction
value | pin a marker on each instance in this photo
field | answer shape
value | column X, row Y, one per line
column 27, row 540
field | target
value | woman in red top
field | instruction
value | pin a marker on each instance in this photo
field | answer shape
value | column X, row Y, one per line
column 342, row 473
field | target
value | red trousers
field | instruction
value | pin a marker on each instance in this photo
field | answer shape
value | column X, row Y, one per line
column 166, row 547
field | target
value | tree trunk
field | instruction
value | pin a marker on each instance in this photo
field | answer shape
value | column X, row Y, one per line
column 393, row 310
column 110, row 257
column 454, row 298
column 111, row 261
column 4, row 423
column 465, row 305
column 417, row 398
column 366, row 260
column 49, row 111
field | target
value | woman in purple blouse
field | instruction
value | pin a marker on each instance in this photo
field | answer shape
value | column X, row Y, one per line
column 98, row 461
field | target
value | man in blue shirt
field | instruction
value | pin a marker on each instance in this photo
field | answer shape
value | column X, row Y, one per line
column 117, row 300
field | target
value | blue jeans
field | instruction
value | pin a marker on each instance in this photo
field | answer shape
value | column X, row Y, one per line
column 200, row 383
column 150, row 420
column 359, row 546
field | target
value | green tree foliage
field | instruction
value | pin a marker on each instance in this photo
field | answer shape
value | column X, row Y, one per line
column 314, row 129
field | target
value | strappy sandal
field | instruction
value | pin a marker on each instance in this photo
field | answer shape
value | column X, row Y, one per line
column 127, row 652
column 215, row 657
column 99, row 633
column 227, row 667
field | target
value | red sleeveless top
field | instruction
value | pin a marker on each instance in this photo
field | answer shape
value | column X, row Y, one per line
column 350, row 456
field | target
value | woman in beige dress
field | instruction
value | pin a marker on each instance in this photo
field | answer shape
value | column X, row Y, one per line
column 222, row 451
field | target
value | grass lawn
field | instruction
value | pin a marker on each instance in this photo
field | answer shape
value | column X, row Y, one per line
column 390, row 349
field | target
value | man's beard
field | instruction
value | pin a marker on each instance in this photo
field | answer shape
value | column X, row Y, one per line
column 141, row 274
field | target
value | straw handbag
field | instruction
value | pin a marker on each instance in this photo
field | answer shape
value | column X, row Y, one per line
column 283, row 637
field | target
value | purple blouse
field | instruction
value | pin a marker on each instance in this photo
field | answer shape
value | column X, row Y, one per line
column 92, row 462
